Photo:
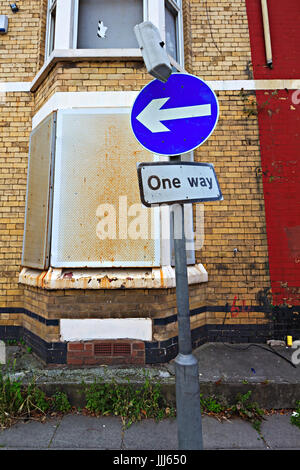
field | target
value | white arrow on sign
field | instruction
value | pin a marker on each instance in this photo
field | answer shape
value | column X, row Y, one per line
column 152, row 115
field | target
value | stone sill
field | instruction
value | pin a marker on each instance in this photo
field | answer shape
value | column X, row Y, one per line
column 152, row 278
column 76, row 55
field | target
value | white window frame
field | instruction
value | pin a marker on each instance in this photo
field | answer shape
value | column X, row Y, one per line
column 66, row 26
column 177, row 6
column 50, row 37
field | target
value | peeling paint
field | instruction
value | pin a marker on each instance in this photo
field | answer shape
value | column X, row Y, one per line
column 157, row 278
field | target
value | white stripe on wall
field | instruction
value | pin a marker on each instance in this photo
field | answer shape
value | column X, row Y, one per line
column 112, row 99
column 6, row 87
column 234, row 85
column 108, row 328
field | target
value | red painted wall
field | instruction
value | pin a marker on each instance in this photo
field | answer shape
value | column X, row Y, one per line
column 279, row 128
column 284, row 20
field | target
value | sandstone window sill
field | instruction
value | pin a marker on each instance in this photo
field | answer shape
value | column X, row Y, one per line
column 76, row 55
column 153, row 278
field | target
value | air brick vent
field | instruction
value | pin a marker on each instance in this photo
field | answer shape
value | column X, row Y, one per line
column 103, row 349
column 95, row 352
column 121, row 349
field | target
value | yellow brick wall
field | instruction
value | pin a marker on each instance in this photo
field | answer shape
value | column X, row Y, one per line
column 220, row 50
column 133, row 303
column 216, row 48
column 15, row 126
column 92, row 76
column 220, row 46
column 20, row 47
column 237, row 222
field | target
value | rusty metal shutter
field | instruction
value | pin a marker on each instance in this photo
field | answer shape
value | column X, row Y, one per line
column 37, row 227
column 95, row 169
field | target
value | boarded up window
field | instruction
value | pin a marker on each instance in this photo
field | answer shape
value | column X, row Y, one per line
column 38, row 199
column 98, row 220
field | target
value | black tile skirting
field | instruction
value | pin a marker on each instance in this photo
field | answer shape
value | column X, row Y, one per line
column 49, row 353
column 283, row 321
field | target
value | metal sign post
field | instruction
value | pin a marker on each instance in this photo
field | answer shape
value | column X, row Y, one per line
column 186, row 365
column 173, row 118
column 177, row 183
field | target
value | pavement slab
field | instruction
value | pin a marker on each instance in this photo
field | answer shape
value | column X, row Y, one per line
column 151, row 435
column 87, row 432
column 29, row 435
column 230, row 434
column 81, row 432
column 279, row 433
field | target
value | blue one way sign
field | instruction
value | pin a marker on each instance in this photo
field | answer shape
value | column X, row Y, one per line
column 174, row 117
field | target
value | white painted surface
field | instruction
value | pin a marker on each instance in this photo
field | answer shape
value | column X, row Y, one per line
column 218, row 85
column 110, row 328
column 69, row 100
column 156, row 14
column 14, row 86
column 64, row 24
column 152, row 115
column 111, row 99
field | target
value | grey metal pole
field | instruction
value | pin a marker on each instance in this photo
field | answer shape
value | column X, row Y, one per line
column 189, row 421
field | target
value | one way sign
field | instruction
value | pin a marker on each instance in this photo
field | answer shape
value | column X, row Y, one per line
column 174, row 117
column 181, row 182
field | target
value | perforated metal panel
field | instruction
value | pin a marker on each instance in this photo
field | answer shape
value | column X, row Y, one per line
column 96, row 182
column 35, row 252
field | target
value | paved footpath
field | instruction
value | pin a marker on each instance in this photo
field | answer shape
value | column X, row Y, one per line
column 80, row 432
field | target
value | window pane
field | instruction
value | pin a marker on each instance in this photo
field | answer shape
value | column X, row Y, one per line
column 171, row 31
column 118, row 16
column 52, row 29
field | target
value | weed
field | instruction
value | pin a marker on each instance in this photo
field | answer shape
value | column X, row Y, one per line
column 19, row 401
column 60, row 402
column 248, row 410
column 36, row 397
column 242, row 407
column 211, row 405
column 295, row 418
column 11, row 342
column 130, row 403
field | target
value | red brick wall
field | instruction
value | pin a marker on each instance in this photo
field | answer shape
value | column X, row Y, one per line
column 106, row 352
column 279, row 129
